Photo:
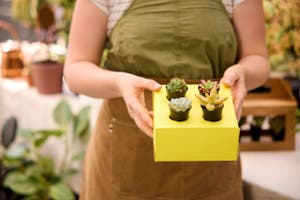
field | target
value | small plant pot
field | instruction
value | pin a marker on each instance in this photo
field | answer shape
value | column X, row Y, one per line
column 278, row 136
column 174, row 95
column 255, row 133
column 179, row 115
column 47, row 77
column 213, row 116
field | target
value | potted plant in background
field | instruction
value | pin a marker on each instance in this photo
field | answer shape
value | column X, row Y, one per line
column 8, row 135
column 180, row 108
column 277, row 125
column 256, row 127
column 283, row 40
column 51, row 21
column 46, row 66
column 176, row 88
column 33, row 175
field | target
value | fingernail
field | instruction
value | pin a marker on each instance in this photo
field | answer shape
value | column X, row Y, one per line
column 157, row 86
column 228, row 81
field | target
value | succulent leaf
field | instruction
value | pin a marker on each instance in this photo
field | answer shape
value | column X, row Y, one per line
column 180, row 104
column 211, row 100
column 176, row 85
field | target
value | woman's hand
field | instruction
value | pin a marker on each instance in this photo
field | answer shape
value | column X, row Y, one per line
column 132, row 89
column 234, row 78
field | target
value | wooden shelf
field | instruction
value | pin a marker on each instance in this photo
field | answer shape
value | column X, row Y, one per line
column 278, row 101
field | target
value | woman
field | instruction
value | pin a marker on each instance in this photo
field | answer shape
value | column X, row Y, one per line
column 150, row 42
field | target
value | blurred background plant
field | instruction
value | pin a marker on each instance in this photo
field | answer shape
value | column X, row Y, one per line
column 29, row 174
column 283, row 35
column 52, row 18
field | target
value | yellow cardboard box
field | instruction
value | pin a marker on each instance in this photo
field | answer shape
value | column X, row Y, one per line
column 194, row 139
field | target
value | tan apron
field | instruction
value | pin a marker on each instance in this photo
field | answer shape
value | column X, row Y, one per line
column 191, row 39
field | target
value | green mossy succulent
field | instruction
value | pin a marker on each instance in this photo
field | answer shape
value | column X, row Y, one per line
column 176, row 85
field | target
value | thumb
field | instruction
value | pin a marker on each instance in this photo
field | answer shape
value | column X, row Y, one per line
column 231, row 76
column 150, row 84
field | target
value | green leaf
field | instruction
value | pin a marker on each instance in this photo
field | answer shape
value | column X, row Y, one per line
column 41, row 136
column 38, row 142
column 34, row 170
column 32, row 197
column 61, row 191
column 62, row 113
column 68, row 172
column 57, row 132
column 81, row 121
column 46, row 164
column 21, row 184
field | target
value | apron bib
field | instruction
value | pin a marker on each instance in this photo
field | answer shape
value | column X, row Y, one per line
column 192, row 39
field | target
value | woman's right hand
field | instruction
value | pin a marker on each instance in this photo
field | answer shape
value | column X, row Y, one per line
column 132, row 89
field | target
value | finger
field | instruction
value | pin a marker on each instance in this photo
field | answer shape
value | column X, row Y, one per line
column 231, row 76
column 239, row 113
column 140, row 124
column 150, row 84
column 238, row 99
column 144, row 127
column 139, row 111
column 151, row 113
column 142, row 99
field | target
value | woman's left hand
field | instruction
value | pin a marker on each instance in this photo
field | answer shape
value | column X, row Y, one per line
column 234, row 78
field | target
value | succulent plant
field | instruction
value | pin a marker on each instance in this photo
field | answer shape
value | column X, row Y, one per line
column 205, row 86
column 257, row 121
column 211, row 101
column 277, row 123
column 181, row 104
column 176, row 85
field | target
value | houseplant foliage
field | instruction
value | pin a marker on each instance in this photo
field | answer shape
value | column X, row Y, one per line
column 176, row 88
column 179, row 108
column 26, row 12
column 277, row 125
column 32, row 175
column 283, row 34
column 256, row 127
column 45, row 63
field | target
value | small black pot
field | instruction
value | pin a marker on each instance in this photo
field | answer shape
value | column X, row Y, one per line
column 213, row 116
column 179, row 116
column 278, row 136
column 255, row 133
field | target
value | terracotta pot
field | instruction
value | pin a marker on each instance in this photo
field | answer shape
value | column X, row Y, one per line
column 47, row 77
column 213, row 116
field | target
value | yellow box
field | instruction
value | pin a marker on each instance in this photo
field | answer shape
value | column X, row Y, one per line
column 194, row 139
